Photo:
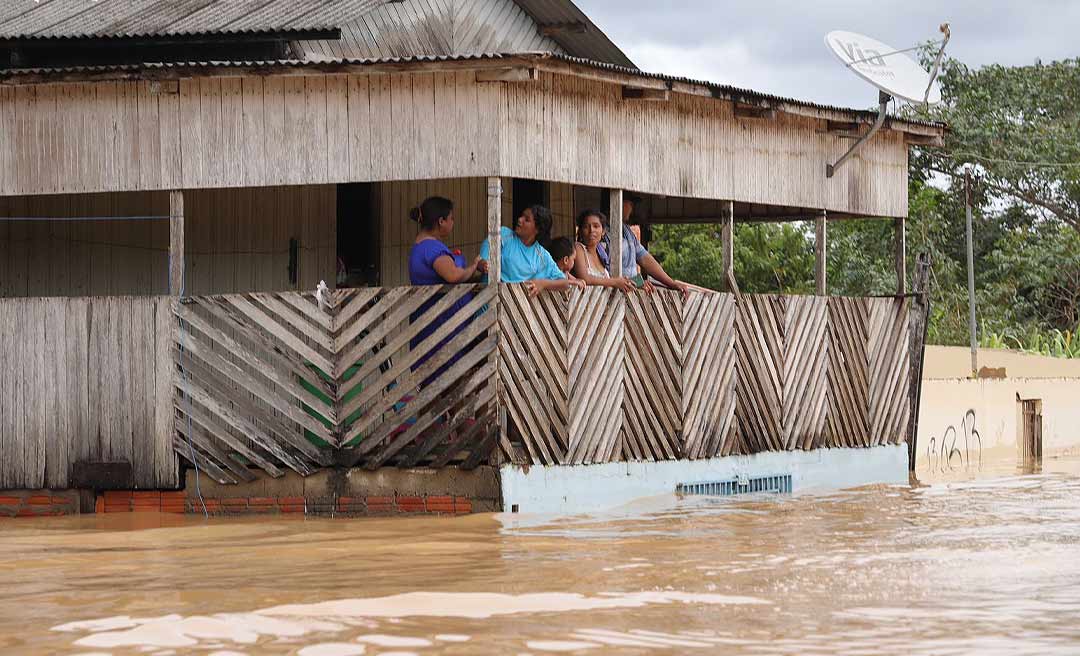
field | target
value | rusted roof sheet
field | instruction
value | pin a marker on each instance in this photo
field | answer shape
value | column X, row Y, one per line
column 60, row 19
column 718, row 90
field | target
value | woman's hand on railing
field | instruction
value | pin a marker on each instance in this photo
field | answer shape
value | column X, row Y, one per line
column 625, row 284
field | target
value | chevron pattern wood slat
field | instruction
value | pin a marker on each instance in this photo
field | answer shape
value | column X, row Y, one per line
column 805, row 364
column 759, row 347
column 254, row 370
column 596, row 348
column 585, row 376
column 848, row 418
column 708, row 369
column 533, row 371
column 889, row 358
column 652, row 380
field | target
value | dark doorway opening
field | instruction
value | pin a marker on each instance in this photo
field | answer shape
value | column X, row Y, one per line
column 357, row 236
column 1032, row 430
column 527, row 193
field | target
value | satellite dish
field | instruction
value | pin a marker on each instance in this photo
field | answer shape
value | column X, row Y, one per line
column 884, row 67
column 890, row 70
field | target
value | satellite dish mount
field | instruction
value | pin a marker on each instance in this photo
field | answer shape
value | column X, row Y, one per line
column 883, row 108
column 895, row 75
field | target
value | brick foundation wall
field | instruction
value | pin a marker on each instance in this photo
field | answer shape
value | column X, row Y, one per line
column 38, row 503
column 352, row 493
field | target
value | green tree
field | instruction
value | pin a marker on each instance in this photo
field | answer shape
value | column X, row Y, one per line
column 769, row 257
column 1017, row 128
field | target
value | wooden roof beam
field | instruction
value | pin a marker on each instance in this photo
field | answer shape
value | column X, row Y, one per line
column 557, row 29
column 744, row 110
column 508, row 74
column 645, row 93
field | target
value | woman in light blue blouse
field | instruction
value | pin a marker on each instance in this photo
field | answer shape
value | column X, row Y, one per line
column 524, row 257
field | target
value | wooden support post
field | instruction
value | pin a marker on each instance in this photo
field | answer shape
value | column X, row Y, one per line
column 615, row 219
column 900, row 244
column 821, row 248
column 918, row 322
column 176, row 243
column 494, row 225
column 727, row 245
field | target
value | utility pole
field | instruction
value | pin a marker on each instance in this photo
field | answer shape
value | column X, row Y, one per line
column 971, row 275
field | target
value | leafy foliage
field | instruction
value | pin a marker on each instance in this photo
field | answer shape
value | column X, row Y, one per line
column 1018, row 130
column 1008, row 125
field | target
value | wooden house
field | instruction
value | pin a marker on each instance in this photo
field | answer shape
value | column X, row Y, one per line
column 177, row 178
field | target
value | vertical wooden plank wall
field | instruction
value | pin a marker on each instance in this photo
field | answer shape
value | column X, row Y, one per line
column 329, row 128
column 85, row 379
column 236, row 240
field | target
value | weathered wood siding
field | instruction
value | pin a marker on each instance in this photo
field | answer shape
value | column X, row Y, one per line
column 315, row 129
column 655, row 377
column 237, row 240
column 393, row 200
column 85, row 379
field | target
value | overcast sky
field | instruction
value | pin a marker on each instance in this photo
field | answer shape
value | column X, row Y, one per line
column 778, row 47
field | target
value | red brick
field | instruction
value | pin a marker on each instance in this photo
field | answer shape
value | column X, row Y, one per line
column 212, row 505
column 380, row 501
column 292, row 508
column 291, row 501
column 411, row 504
column 235, row 505
column 115, row 495
column 99, row 504
column 440, row 504
column 39, row 500
column 27, row 512
column 262, row 501
column 10, row 501
column 146, row 494
column 178, row 495
column 462, row 505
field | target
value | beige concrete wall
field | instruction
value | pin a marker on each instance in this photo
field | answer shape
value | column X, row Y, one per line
column 980, row 420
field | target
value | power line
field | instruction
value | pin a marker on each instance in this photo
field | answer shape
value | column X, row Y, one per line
column 998, row 160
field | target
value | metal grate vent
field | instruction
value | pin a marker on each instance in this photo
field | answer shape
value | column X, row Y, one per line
column 780, row 484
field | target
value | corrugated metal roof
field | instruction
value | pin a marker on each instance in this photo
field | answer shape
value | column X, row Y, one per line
column 720, row 90
column 58, row 19
column 436, row 27
column 592, row 44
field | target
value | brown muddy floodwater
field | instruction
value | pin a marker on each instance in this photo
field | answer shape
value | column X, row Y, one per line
column 986, row 566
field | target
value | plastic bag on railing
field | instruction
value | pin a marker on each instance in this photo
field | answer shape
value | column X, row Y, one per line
column 321, row 292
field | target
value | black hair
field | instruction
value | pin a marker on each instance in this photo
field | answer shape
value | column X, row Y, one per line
column 430, row 211
column 585, row 214
column 542, row 216
column 561, row 247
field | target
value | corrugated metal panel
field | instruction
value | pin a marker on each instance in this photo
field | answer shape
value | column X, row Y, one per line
column 592, row 44
column 115, row 18
column 436, row 27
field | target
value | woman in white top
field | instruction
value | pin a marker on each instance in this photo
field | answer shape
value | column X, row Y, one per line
column 588, row 265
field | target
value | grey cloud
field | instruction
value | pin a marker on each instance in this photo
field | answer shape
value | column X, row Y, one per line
column 783, row 41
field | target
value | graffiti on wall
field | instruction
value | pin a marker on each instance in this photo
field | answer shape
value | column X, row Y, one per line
column 958, row 448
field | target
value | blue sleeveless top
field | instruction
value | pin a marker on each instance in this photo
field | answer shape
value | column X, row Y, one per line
column 422, row 257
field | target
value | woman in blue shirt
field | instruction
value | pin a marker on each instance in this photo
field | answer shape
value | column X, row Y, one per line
column 524, row 258
column 431, row 262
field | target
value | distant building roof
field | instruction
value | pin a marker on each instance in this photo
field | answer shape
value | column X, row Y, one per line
column 72, row 19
